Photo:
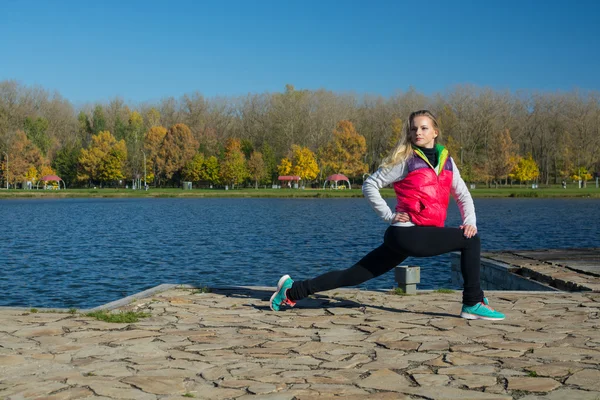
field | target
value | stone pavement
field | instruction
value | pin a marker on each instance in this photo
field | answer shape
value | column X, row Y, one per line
column 345, row 344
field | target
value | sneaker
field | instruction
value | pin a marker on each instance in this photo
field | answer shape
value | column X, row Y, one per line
column 279, row 297
column 481, row 311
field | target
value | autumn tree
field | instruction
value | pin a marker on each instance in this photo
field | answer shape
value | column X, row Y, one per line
column 501, row 159
column 304, row 163
column 152, row 143
column 345, row 152
column 23, row 155
column 104, row 160
column 192, row 171
column 233, row 168
column 257, row 168
column 210, row 170
column 284, row 167
column 526, row 169
column 178, row 147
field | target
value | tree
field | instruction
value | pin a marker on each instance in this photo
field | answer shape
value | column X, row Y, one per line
column 270, row 161
column 36, row 132
column 233, row 166
column 152, row 144
column 345, row 152
column 99, row 120
column 526, row 169
column 192, row 171
column 210, row 170
column 23, row 155
column 65, row 162
column 178, row 147
column 304, row 163
column 397, row 130
column 582, row 174
column 257, row 168
column 501, row 157
column 285, row 166
column 104, row 160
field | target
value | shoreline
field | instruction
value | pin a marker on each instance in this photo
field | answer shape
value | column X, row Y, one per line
column 515, row 192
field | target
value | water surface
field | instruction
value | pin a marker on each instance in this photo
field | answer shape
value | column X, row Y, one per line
column 86, row 252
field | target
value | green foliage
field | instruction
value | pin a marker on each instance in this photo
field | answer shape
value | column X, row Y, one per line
column 532, row 374
column 65, row 163
column 33, row 310
column 210, row 170
column 445, row 291
column 398, row 292
column 233, row 166
column 99, row 120
column 192, row 171
column 270, row 160
column 36, row 132
column 121, row 317
column 247, row 148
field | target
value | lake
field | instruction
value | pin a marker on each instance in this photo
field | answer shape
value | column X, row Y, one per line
column 86, row 252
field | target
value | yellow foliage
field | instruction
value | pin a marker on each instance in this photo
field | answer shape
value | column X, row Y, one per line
column 104, row 159
column 345, row 152
column 304, row 163
column 526, row 169
column 285, row 166
column 32, row 174
column 46, row 170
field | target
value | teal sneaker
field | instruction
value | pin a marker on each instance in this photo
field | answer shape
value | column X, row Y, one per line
column 481, row 311
column 279, row 297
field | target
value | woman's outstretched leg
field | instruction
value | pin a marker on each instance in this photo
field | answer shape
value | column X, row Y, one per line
column 374, row 264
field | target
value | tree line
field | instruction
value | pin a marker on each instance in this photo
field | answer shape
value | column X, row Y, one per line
column 495, row 137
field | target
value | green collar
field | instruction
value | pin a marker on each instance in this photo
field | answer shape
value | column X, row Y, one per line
column 442, row 156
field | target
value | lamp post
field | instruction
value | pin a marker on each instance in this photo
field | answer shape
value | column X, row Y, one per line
column 144, row 168
column 6, row 154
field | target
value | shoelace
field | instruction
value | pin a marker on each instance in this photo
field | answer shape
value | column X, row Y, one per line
column 486, row 306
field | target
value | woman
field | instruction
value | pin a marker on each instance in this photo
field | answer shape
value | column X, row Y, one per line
column 423, row 176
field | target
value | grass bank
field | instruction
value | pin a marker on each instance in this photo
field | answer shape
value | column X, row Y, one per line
column 545, row 192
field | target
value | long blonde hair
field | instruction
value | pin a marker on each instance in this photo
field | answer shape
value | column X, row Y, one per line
column 403, row 150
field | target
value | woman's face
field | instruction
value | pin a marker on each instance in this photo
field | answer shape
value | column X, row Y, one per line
column 422, row 133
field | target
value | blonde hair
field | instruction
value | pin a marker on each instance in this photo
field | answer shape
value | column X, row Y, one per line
column 403, row 150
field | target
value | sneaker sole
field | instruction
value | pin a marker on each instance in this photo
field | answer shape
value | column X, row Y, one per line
column 279, row 285
column 473, row 316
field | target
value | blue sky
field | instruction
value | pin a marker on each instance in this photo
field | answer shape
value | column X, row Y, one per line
column 146, row 50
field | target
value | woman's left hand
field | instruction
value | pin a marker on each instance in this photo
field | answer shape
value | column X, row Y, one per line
column 469, row 230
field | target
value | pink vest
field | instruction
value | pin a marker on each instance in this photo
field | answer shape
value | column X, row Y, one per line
column 424, row 194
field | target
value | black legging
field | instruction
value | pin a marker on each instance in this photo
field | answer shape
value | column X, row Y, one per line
column 399, row 243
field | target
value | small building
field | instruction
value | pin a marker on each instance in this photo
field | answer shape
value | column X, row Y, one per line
column 288, row 180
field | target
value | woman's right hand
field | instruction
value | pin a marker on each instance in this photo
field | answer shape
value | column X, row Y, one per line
column 401, row 217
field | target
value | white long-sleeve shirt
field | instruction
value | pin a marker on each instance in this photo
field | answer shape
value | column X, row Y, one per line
column 387, row 176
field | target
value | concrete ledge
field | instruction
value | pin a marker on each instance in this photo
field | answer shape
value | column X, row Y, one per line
column 496, row 275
